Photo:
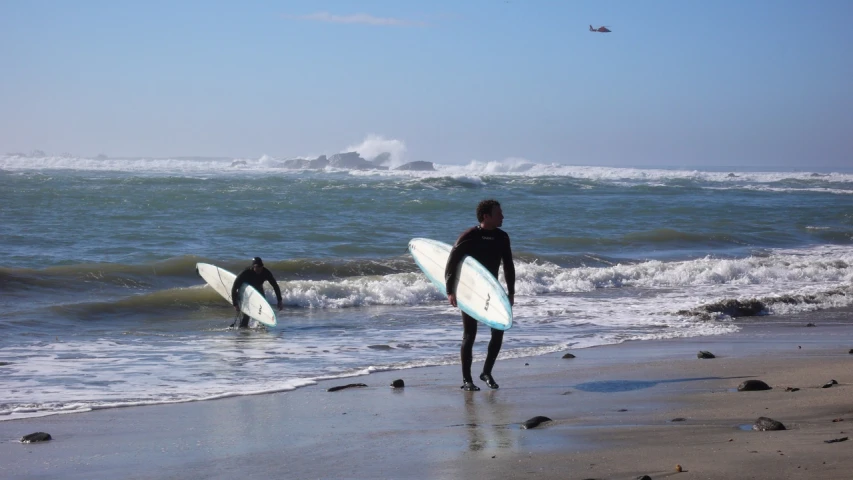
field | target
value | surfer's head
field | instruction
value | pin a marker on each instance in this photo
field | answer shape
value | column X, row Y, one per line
column 489, row 214
column 257, row 263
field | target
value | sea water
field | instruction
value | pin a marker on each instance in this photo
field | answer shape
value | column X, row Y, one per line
column 101, row 305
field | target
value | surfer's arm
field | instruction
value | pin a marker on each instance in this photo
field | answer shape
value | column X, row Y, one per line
column 509, row 271
column 271, row 279
column 450, row 270
column 235, row 298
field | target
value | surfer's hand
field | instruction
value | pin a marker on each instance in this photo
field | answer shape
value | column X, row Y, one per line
column 452, row 298
column 512, row 300
column 280, row 305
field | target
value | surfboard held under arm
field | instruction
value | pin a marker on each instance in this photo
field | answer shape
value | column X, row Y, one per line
column 478, row 292
column 252, row 302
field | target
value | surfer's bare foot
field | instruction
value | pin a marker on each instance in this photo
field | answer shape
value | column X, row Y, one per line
column 489, row 381
column 469, row 386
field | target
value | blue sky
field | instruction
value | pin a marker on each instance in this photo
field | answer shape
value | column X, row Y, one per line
column 677, row 83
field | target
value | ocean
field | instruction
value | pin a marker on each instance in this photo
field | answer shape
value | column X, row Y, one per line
column 101, row 306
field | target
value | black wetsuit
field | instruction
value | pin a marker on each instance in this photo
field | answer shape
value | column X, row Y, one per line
column 256, row 280
column 488, row 247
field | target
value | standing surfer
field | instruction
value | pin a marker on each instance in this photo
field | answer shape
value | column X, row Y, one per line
column 489, row 245
column 255, row 276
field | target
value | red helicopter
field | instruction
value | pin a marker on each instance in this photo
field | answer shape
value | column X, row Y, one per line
column 599, row 29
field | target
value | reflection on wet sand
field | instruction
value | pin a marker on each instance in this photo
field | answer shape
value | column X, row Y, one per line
column 489, row 421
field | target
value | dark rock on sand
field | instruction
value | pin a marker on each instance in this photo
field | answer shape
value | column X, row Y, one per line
column 829, row 384
column 534, row 422
column 810, row 324
column 704, row 354
column 341, row 387
column 568, row 355
column 851, row 351
column 764, row 424
column 752, row 386
column 36, row 437
column 644, row 477
column 398, row 383
column 737, row 308
column 678, row 419
column 836, row 440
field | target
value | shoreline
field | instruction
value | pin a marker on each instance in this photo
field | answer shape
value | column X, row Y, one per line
column 612, row 409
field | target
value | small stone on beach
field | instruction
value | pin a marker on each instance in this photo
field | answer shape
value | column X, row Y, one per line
column 704, row 354
column 398, row 383
column 752, row 386
column 341, row 387
column 765, row 424
column 36, row 437
column 568, row 355
column 534, row 422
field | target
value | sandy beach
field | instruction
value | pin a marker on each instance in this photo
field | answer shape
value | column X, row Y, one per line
column 618, row 412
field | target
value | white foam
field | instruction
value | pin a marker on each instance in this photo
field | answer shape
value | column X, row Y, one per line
column 786, row 269
column 374, row 145
column 473, row 171
column 667, row 286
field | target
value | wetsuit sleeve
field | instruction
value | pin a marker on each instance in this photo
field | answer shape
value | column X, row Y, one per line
column 274, row 284
column 509, row 268
column 457, row 253
column 238, row 282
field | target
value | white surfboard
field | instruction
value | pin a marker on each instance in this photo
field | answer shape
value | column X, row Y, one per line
column 478, row 292
column 252, row 302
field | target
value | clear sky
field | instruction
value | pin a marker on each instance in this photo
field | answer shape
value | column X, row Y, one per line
column 676, row 83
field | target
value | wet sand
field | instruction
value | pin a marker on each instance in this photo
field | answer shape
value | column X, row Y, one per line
column 613, row 411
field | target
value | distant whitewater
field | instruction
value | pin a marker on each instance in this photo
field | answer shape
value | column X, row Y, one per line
column 101, row 305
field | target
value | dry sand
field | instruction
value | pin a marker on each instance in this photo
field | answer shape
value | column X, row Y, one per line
column 612, row 409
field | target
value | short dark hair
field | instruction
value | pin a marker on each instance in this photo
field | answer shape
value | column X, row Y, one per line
column 485, row 208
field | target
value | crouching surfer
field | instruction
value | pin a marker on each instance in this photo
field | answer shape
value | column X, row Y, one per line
column 255, row 276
